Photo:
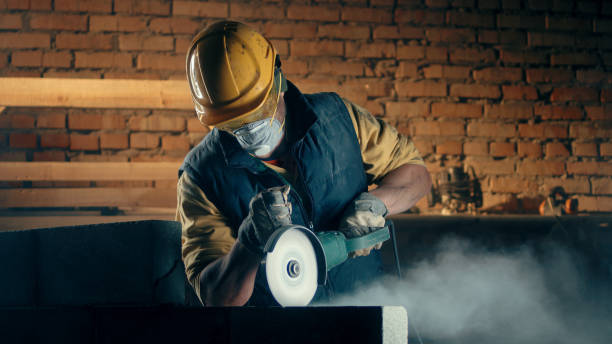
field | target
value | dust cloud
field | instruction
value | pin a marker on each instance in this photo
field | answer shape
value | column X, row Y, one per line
column 467, row 294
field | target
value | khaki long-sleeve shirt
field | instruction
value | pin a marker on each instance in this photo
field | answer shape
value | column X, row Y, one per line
column 206, row 233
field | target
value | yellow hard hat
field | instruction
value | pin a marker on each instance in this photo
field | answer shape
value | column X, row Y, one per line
column 231, row 73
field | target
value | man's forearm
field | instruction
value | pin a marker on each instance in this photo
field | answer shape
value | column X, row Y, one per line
column 229, row 280
column 403, row 187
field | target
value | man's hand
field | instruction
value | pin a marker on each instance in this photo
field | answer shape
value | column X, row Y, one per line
column 268, row 210
column 365, row 214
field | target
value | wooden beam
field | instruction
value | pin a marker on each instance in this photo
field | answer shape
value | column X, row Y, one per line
column 89, row 171
column 95, row 93
column 88, row 197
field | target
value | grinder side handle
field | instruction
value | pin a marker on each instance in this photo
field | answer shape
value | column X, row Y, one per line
column 368, row 240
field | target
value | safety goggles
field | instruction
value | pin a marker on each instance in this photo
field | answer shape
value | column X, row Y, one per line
column 266, row 111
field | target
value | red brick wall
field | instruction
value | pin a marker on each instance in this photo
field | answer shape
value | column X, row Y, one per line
column 519, row 89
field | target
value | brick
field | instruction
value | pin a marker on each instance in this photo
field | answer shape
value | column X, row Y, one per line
column 366, row 50
column 85, row 121
column 436, row 54
column 368, row 15
column 144, row 140
column 53, row 155
column 424, row 147
column 543, row 130
column 568, row 24
column 256, row 11
column 81, row 74
column 27, row 58
column 420, row 89
column 328, row 66
column 520, row 21
column 22, row 140
column 195, row 126
column 551, row 112
column 590, row 130
column 491, row 129
column 80, row 142
column 474, row 91
column 498, row 74
column 26, row 4
column 529, row 149
column 61, row 59
column 437, row 3
column 511, row 111
column 579, row 59
column 316, row 13
column 450, row 35
column 541, row 168
column 155, row 7
column 605, row 149
column 10, row 21
column 606, row 96
column 201, row 9
column 601, row 186
column 593, row 76
column 410, row 52
column 175, row 143
column 161, row 62
column 84, row 41
column 343, row 31
column 174, row 25
column 523, row 57
column 293, row 30
column 571, row 185
column 486, row 166
column 103, row 60
column 3, row 60
column 438, row 128
column 21, row 121
column 420, row 17
column 580, row 94
column 113, row 141
column 456, row 110
column 51, row 120
column 511, row 185
column 584, row 149
column 397, row 32
column 476, row 148
column 502, row 149
column 449, row 148
column 472, row 55
column 599, row 168
column 463, row 3
column 594, row 204
column 69, row 22
column 316, row 48
column 446, row 72
column 373, row 87
column 520, row 92
column 602, row 25
column 13, row 156
column 151, row 43
column 54, row 140
column 24, row 40
column 555, row 149
column 157, row 123
column 117, row 23
column 406, row 109
column 537, row 39
column 407, row 70
column 598, row 112
column 91, row 6
column 548, row 75
column 470, row 19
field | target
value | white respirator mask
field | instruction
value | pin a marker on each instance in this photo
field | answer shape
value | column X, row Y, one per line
column 260, row 138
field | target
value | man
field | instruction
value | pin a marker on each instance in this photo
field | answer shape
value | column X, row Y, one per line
column 276, row 157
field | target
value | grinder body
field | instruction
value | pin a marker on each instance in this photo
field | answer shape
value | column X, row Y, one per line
column 297, row 260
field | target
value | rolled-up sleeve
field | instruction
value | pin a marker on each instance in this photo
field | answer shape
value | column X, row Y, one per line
column 383, row 148
column 206, row 235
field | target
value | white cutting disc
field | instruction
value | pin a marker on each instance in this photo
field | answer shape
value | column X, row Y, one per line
column 291, row 269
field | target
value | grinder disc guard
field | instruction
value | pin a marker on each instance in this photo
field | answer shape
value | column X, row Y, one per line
column 291, row 269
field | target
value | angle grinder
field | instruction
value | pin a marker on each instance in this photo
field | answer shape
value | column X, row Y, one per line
column 297, row 260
